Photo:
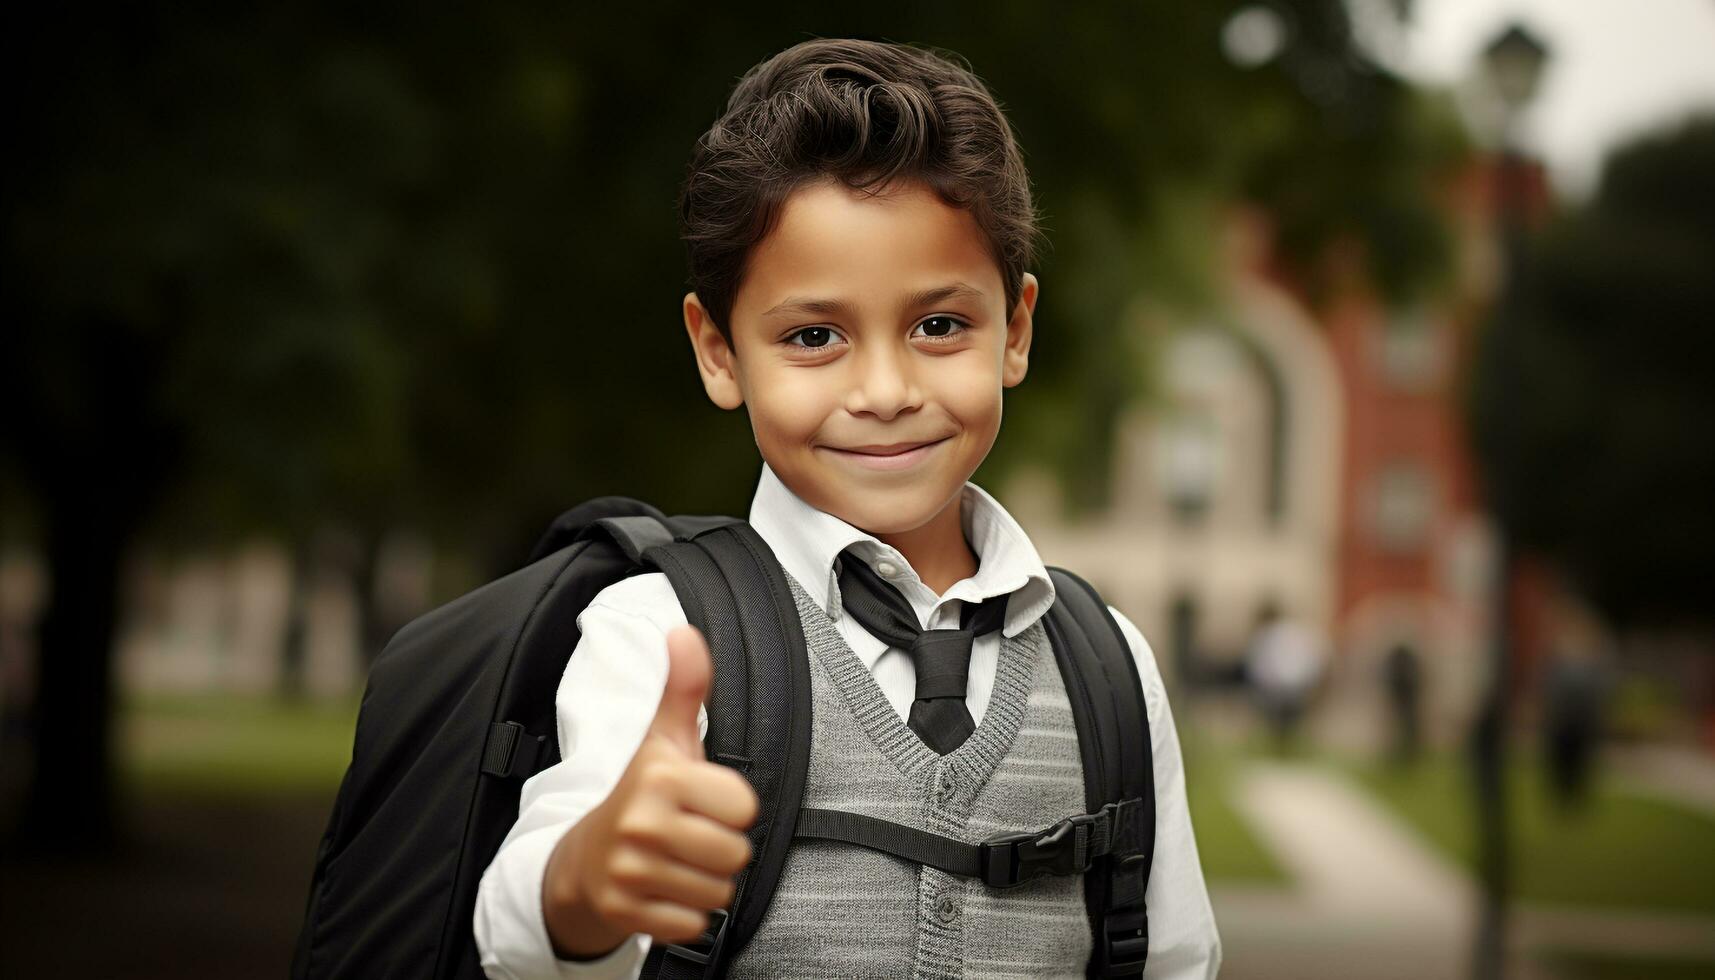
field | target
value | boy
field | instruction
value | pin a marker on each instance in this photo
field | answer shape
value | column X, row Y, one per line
column 859, row 222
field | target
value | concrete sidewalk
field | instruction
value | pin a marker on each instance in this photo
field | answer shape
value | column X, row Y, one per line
column 1682, row 775
column 1370, row 898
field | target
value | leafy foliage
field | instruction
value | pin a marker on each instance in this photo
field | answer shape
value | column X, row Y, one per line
column 1592, row 402
column 383, row 269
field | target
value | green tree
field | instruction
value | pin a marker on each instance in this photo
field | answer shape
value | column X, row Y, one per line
column 1603, row 377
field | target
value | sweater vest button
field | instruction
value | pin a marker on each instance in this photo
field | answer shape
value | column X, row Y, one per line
column 946, row 910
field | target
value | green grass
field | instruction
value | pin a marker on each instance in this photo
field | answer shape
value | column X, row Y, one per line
column 256, row 746
column 1622, row 850
column 1229, row 851
column 235, row 745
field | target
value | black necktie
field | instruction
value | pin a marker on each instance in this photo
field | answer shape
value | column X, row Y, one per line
column 942, row 658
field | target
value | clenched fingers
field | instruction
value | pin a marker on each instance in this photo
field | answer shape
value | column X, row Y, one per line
column 707, row 788
column 719, row 793
column 688, row 838
column 667, row 921
column 652, row 875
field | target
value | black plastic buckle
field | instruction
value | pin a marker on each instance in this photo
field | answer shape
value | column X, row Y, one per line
column 1125, row 935
column 1063, row 849
column 511, row 751
column 711, row 946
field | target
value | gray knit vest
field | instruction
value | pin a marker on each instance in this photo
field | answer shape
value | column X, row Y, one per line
column 847, row 911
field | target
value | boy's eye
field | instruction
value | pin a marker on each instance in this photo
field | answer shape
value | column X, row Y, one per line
column 941, row 326
column 814, row 337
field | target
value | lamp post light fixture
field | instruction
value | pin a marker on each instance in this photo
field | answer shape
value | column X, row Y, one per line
column 1513, row 63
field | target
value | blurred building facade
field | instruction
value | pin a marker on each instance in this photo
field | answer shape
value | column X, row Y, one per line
column 1306, row 460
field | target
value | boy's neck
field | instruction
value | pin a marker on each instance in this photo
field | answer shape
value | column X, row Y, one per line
column 937, row 550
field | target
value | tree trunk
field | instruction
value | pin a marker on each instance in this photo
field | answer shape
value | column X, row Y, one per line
column 96, row 454
column 294, row 653
column 70, row 805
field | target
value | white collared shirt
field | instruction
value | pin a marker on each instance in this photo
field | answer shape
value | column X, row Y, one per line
column 613, row 682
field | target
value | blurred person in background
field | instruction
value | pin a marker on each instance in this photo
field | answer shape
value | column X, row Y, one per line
column 1575, row 695
column 1283, row 665
column 1402, row 675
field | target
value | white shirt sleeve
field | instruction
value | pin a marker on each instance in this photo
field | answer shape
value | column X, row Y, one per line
column 605, row 703
column 1183, row 941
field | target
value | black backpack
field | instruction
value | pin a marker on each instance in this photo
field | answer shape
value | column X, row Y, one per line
column 459, row 711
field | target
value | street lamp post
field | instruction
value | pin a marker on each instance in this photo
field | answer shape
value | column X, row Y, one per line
column 1513, row 62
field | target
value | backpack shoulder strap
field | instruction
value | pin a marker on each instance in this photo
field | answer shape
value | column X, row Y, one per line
column 1112, row 721
column 576, row 523
column 733, row 589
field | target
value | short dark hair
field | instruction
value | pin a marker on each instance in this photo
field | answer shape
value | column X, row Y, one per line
column 866, row 113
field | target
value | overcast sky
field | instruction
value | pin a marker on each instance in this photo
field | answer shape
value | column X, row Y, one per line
column 1617, row 68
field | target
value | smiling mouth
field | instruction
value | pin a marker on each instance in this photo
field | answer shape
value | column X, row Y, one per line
column 895, row 456
column 896, row 449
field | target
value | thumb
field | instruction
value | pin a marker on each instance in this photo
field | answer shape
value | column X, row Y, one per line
column 688, row 672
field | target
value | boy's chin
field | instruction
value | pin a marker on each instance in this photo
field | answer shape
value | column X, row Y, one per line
column 879, row 504
column 886, row 513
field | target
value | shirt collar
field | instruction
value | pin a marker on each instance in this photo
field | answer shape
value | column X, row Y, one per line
column 807, row 541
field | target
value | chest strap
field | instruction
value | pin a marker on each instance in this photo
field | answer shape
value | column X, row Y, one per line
column 1069, row 847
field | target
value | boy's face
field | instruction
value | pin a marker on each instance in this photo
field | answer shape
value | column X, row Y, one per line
column 871, row 342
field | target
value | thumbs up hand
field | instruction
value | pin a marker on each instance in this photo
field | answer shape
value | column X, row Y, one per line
column 662, row 849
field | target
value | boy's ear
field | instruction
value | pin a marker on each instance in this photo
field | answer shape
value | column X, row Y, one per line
column 1016, row 358
column 715, row 360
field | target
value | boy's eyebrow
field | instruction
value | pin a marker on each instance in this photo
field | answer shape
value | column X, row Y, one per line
column 798, row 305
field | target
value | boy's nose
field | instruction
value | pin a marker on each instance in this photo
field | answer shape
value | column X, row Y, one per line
column 884, row 386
